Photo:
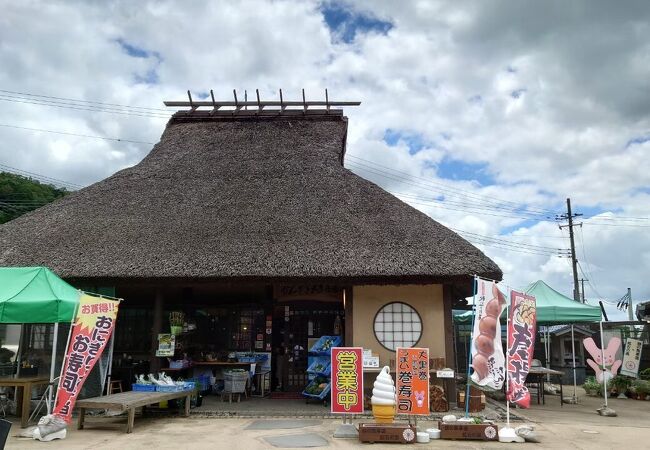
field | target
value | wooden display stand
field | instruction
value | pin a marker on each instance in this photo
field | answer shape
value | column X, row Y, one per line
column 469, row 431
column 401, row 433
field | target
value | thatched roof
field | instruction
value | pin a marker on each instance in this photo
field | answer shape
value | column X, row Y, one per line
column 249, row 198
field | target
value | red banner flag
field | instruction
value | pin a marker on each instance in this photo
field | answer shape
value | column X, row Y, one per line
column 347, row 380
column 521, row 340
column 412, row 382
column 92, row 329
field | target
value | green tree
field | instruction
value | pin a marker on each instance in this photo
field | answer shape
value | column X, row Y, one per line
column 19, row 195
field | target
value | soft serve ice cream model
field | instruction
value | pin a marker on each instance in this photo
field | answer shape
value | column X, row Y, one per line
column 383, row 397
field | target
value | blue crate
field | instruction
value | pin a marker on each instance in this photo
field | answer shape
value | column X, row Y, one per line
column 188, row 386
column 174, row 388
column 136, row 387
column 318, row 347
column 326, row 370
column 324, row 393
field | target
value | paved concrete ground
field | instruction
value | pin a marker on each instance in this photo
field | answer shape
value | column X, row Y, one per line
column 572, row 426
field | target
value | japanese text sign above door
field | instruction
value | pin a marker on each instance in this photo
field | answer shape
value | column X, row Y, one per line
column 412, row 381
column 347, row 380
column 89, row 336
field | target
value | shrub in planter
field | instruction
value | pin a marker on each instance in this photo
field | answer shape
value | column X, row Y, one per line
column 591, row 386
column 642, row 388
column 620, row 384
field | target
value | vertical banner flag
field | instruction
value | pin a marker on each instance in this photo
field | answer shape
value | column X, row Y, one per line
column 412, row 383
column 631, row 357
column 488, row 360
column 347, row 380
column 93, row 326
column 521, row 339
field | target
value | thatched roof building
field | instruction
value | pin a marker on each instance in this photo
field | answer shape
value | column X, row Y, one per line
column 241, row 198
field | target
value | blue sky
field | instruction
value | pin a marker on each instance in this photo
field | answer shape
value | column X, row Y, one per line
column 345, row 23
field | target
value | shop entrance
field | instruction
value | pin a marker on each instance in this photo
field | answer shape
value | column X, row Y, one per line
column 297, row 325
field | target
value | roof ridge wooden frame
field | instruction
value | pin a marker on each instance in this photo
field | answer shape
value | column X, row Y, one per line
column 259, row 107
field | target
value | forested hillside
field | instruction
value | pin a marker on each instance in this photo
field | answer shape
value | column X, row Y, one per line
column 19, row 194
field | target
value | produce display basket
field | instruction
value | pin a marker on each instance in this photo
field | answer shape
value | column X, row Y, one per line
column 324, row 345
column 320, row 366
column 235, row 382
column 321, row 395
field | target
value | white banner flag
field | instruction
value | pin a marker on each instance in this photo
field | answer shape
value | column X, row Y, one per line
column 488, row 360
column 632, row 357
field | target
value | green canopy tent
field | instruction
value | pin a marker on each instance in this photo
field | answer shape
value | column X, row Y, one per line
column 553, row 308
column 36, row 295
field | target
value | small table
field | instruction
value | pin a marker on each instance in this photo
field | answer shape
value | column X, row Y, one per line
column 538, row 373
column 129, row 401
column 24, row 383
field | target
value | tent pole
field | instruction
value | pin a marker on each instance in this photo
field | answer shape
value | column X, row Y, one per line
column 602, row 355
column 50, row 394
column 110, row 364
column 67, row 345
column 548, row 353
column 508, row 305
column 573, row 353
column 469, row 356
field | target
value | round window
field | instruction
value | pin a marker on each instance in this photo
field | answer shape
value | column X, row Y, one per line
column 398, row 325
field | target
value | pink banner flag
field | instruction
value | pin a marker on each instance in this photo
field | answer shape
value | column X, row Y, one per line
column 521, row 341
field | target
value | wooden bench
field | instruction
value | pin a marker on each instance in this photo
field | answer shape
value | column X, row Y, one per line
column 129, row 401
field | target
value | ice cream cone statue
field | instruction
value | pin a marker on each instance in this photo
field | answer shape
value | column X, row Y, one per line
column 383, row 397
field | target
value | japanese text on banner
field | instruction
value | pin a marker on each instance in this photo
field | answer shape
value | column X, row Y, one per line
column 347, row 380
column 488, row 360
column 412, row 381
column 92, row 329
column 521, row 339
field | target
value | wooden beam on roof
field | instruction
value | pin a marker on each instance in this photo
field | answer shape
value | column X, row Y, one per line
column 258, row 107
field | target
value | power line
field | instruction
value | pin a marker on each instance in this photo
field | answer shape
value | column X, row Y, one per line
column 67, row 99
column 519, row 243
column 466, row 208
column 39, row 176
column 456, row 191
column 81, row 107
column 76, row 134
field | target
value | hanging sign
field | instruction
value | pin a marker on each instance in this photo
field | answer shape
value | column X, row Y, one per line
column 521, row 339
column 632, row 357
column 93, row 326
column 166, row 345
column 412, row 384
column 488, row 360
column 347, row 380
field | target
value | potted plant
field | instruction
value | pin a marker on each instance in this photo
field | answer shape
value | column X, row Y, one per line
column 642, row 388
column 645, row 374
column 176, row 322
column 620, row 384
column 591, row 386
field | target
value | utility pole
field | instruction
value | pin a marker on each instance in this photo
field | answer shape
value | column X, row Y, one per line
column 574, row 261
column 582, row 292
column 630, row 311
